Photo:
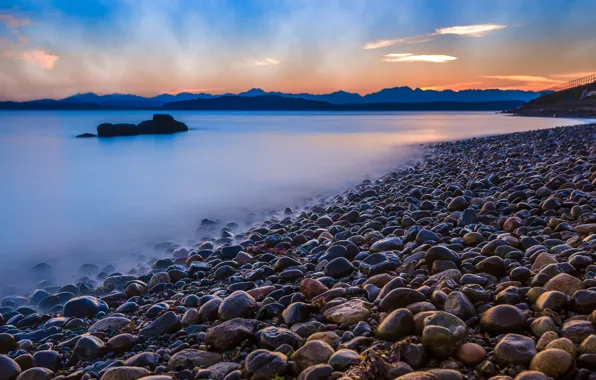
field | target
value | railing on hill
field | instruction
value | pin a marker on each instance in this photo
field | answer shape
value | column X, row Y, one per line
column 572, row 84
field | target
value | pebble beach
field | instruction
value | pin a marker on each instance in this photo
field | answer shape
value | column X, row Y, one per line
column 475, row 262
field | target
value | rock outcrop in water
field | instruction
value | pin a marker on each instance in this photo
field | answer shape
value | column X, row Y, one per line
column 161, row 124
column 476, row 263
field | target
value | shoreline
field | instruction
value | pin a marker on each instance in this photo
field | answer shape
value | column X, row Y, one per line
column 557, row 115
column 430, row 263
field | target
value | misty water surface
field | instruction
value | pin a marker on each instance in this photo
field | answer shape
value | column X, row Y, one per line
column 68, row 201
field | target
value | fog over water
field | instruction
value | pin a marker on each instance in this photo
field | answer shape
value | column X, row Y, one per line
column 67, row 201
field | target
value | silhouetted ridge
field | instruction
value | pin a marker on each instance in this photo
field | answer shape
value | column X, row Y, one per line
column 389, row 95
column 246, row 103
column 280, row 103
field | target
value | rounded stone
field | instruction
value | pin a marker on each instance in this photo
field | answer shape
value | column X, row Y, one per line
column 473, row 238
column 344, row 359
column 237, row 305
column 158, row 278
column 531, row 375
column 458, row 204
column 339, row 267
column 263, row 365
column 121, row 343
column 7, row 343
column 422, row 375
column 564, row 283
column 125, row 373
column 577, row 330
column 503, row 319
column 441, row 253
column 541, row 325
column 471, row 354
column 494, row 265
column 397, row 324
column 9, row 369
column 89, row 347
column 328, row 337
column 37, row 373
column 459, row 305
column 553, row 300
column 316, row 372
column 311, row 287
column 399, row 298
column 440, row 341
column 348, row 313
column 24, row 361
column 545, row 339
column 143, row 359
column 426, row 236
column 85, row 306
column 563, row 344
column 47, row 359
column 109, row 324
column 191, row 357
column 552, row 362
column 515, row 349
column 588, row 346
column 273, row 337
column 584, row 301
column 312, row 353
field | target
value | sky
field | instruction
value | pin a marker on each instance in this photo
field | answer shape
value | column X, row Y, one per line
column 57, row 48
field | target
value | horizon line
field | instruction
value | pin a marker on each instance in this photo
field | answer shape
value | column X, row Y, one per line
column 172, row 93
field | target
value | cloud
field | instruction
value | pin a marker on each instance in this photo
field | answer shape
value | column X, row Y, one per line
column 36, row 56
column 193, row 90
column 523, row 78
column 576, row 75
column 262, row 62
column 405, row 40
column 13, row 21
column 407, row 57
column 477, row 30
column 398, row 55
column 40, row 58
column 17, row 47
column 453, row 86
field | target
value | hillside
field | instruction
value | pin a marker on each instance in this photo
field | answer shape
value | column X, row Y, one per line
column 574, row 102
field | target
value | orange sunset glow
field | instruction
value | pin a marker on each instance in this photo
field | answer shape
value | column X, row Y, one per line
column 52, row 50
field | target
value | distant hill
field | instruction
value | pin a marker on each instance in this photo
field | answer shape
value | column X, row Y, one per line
column 281, row 103
column 406, row 94
column 51, row 104
column 129, row 100
column 389, row 95
column 250, row 103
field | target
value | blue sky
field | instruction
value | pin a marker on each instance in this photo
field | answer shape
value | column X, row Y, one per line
column 54, row 48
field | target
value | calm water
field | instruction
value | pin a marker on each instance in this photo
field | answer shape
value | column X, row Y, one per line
column 70, row 201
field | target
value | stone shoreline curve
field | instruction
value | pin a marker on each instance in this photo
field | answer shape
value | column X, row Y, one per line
column 477, row 262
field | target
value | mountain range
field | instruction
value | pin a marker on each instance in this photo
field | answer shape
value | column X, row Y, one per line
column 389, row 95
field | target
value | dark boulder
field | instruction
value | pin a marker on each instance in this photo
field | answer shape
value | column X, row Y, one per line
column 161, row 124
column 113, row 130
